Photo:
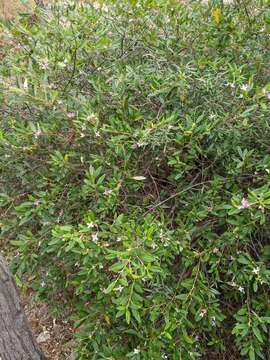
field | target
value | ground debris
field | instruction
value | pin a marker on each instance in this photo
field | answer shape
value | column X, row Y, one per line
column 53, row 334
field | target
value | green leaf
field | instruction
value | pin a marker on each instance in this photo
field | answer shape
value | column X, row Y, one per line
column 257, row 333
column 117, row 266
column 120, row 313
column 136, row 315
column 18, row 243
column 242, row 311
column 266, row 319
column 168, row 335
column 255, row 286
column 111, row 287
column 147, row 257
column 188, row 339
column 243, row 260
column 133, row 332
column 251, row 354
column 127, row 316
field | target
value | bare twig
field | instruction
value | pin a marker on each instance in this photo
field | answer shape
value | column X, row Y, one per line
column 178, row 193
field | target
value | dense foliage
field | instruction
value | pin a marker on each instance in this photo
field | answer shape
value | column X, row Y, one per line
column 135, row 173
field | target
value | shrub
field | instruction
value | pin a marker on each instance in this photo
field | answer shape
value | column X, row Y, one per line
column 135, row 172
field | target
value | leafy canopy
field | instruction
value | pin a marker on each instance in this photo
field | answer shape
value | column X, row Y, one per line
column 135, row 172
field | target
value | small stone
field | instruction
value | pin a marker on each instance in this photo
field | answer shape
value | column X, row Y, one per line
column 43, row 337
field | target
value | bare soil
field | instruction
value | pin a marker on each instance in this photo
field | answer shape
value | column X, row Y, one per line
column 54, row 334
column 10, row 8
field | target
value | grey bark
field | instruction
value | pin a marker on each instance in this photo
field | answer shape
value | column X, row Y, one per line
column 16, row 339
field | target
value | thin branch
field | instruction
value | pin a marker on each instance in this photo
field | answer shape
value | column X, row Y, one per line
column 178, row 193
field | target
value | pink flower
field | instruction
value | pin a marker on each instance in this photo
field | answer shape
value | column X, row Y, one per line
column 244, row 204
column 37, row 133
column 71, row 115
column 95, row 237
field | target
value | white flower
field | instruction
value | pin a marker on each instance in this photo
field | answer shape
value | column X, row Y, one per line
column 25, row 84
column 256, row 270
column 266, row 93
column 36, row 202
column 203, row 312
column 138, row 145
column 90, row 225
column 119, row 239
column 230, row 85
column 107, row 192
column 96, row 5
column 61, row 64
column 97, row 133
column 95, row 236
column 44, row 63
column 241, row 289
column 119, row 288
column 42, row 284
column 136, row 351
column 37, row 133
column 92, row 117
column 245, row 87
